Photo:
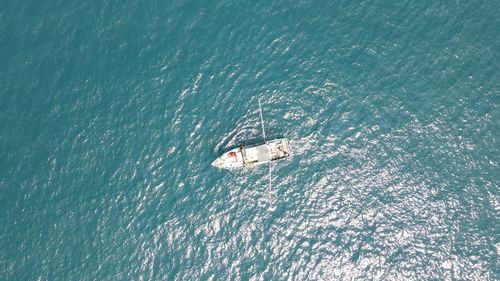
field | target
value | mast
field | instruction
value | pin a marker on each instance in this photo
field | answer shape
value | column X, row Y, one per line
column 262, row 122
column 264, row 136
column 270, row 177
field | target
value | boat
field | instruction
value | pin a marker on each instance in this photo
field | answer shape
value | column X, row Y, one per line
column 256, row 154
column 253, row 155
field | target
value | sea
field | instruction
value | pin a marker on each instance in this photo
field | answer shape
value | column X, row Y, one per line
column 111, row 113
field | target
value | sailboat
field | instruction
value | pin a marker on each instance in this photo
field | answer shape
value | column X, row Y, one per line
column 256, row 154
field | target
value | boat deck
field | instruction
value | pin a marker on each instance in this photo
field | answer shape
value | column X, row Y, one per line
column 279, row 149
column 264, row 153
column 258, row 154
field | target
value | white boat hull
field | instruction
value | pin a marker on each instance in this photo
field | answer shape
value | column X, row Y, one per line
column 253, row 155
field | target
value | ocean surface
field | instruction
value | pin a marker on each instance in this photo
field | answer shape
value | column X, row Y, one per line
column 112, row 111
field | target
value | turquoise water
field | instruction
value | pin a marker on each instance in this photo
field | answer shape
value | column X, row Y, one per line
column 111, row 112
